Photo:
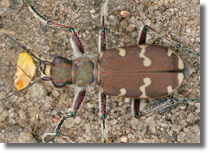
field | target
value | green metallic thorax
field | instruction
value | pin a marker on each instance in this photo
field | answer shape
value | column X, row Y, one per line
column 85, row 72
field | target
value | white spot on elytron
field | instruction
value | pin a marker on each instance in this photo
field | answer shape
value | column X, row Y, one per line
column 170, row 90
column 122, row 51
column 180, row 78
column 147, row 82
column 180, row 62
column 147, row 62
column 122, row 92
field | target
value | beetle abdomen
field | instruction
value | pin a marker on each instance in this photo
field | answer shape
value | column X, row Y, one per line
column 141, row 71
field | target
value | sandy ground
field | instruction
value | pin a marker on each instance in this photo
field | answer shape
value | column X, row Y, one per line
column 178, row 20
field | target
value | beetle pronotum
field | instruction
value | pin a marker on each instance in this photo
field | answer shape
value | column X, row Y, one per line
column 147, row 80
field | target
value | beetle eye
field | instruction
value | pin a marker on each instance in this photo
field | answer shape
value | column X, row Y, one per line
column 58, row 84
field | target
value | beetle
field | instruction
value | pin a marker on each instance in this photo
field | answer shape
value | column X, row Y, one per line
column 92, row 67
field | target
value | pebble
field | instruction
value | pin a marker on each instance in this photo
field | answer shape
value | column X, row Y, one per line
column 124, row 139
column 87, row 126
column 151, row 124
column 138, row 24
column 2, row 118
column 132, row 19
column 125, row 14
column 79, row 14
column 92, row 11
column 127, row 129
column 197, row 105
column 127, row 100
column 33, row 112
column 74, row 6
column 69, row 123
column 77, row 120
column 190, row 118
column 181, row 137
column 26, row 137
column 38, row 90
column 5, row 113
column 123, row 24
column 147, row 22
column 1, row 109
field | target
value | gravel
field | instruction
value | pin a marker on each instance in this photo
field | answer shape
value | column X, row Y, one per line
column 176, row 19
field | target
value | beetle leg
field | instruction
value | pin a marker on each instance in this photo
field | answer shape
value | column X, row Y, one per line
column 102, row 107
column 102, row 40
column 76, row 44
column 136, row 107
column 78, row 99
column 143, row 34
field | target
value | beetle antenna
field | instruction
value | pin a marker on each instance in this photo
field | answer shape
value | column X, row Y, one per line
column 178, row 46
column 43, row 19
column 41, row 79
column 30, row 53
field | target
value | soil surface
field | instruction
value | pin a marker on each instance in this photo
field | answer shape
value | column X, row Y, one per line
column 177, row 20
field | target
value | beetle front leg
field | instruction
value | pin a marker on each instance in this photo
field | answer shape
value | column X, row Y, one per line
column 76, row 44
column 102, row 39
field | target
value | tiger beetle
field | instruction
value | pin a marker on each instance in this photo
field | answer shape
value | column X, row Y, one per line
column 154, row 71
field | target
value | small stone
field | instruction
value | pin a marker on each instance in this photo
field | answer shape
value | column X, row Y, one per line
column 181, row 137
column 170, row 133
column 22, row 114
column 87, row 126
column 69, row 123
column 147, row 22
column 130, row 135
column 1, row 109
column 134, row 123
column 123, row 24
column 54, row 112
column 125, row 14
column 26, row 137
column 197, row 110
column 74, row 6
column 127, row 129
column 188, row 30
column 77, row 120
column 197, row 105
column 132, row 19
column 151, row 123
column 127, row 100
column 56, row 120
column 38, row 90
column 5, row 113
column 190, row 118
column 2, row 118
column 33, row 112
column 124, row 139
column 92, row 11
column 197, row 39
column 138, row 24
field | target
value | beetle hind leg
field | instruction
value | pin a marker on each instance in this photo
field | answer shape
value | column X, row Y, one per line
column 142, row 35
column 136, row 107
column 102, row 108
